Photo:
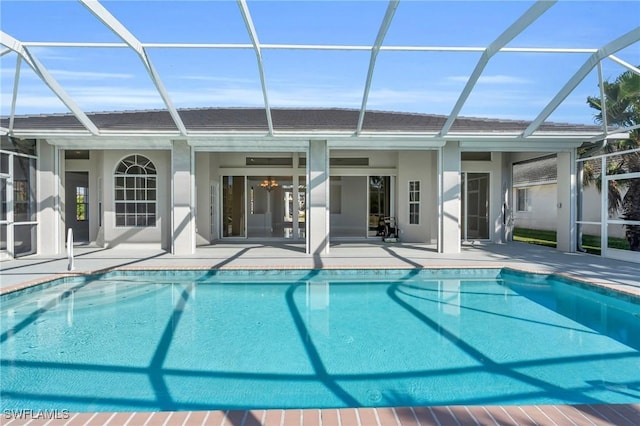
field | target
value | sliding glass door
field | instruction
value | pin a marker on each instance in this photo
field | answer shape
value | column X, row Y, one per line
column 263, row 207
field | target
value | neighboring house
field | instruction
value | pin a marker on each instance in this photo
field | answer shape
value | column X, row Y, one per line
column 140, row 180
column 535, row 198
column 535, row 193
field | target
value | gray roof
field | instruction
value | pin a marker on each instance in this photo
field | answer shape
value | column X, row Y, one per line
column 254, row 119
column 537, row 170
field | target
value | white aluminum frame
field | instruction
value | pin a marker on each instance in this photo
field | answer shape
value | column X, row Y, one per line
column 498, row 45
column 604, row 222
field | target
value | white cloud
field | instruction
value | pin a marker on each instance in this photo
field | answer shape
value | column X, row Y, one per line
column 222, row 80
column 50, row 53
column 423, row 98
column 88, row 75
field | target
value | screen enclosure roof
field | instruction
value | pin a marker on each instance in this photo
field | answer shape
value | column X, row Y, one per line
column 432, row 69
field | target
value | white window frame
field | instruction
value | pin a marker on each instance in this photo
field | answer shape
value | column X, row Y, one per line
column 526, row 200
column 414, row 201
column 136, row 190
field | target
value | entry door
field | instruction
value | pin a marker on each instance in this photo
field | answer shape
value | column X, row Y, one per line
column 475, row 206
column 77, row 205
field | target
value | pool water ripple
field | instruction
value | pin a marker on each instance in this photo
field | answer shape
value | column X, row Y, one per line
column 316, row 339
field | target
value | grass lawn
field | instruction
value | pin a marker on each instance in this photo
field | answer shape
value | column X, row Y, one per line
column 591, row 243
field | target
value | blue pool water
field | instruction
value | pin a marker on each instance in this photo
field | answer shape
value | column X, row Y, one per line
column 196, row 340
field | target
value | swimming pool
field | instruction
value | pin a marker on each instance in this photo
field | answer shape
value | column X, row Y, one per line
column 201, row 340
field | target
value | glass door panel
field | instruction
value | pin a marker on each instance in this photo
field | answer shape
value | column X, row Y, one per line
column 270, row 215
column 24, row 239
column 233, row 206
column 3, row 218
column 3, row 200
column 3, row 239
column 379, row 202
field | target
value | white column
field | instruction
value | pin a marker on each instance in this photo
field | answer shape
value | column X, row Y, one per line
column 449, row 165
column 203, row 198
column 182, row 191
column 50, row 239
column 506, row 225
column 318, row 198
column 566, row 224
column 295, row 225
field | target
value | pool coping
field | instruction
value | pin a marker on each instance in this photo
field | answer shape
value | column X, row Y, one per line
column 627, row 292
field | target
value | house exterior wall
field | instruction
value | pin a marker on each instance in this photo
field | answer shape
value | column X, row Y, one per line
column 318, row 198
column 49, row 218
column 450, row 198
column 208, row 167
column 418, row 166
column 542, row 213
column 203, row 198
column 348, row 206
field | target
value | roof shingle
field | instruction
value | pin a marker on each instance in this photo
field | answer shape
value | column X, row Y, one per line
column 255, row 119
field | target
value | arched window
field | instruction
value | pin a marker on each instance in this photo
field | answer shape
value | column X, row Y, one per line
column 135, row 192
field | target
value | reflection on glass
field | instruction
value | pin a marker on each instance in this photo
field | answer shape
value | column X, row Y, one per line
column 589, row 238
column 24, row 170
column 24, row 239
column 3, row 199
column 3, row 237
column 623, row 237
column 4, row 163
column 233, row 206
column 22, row 146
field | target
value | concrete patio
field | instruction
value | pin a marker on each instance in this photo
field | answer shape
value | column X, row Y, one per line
column 623, row 276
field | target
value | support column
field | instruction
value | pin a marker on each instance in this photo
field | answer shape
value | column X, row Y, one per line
column 295, row 225
column 51, row 239
column 566, row 224
column 506, row 228
column 183, row 202
column 318, row 198
column 449, row 165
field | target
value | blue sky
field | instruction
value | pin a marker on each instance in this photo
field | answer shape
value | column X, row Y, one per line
column 513, row 85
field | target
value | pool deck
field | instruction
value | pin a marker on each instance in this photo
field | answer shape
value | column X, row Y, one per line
column 618, row 275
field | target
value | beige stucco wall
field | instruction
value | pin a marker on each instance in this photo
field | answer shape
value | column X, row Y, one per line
column 418, row 166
